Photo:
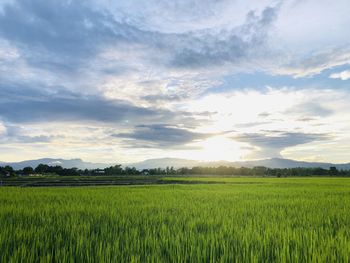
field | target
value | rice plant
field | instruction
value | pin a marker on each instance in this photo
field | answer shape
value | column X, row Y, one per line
column 236, row 220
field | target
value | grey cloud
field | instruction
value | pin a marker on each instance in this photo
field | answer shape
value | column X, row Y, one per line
column 226, row 47
column 58, row 26
column 306, row 119
column 29, row 139
column 15, row 134
column 160, row 135
column 21, row 104
column 285, row 139
column 264, row 114
column 61, row 34
column 251, row 124
column 272, row 144
column 162, row 98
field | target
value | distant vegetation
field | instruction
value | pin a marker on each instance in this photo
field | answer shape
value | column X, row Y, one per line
column 44, row 169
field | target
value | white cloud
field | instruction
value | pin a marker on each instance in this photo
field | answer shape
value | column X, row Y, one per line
column 344, row 75
column 314, row 63
column 7, row 52
column 290, row 111
column 2, row 128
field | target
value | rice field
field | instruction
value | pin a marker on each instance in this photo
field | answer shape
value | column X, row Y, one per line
column 234, row 220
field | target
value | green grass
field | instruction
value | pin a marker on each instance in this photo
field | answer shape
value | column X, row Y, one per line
column 237, row 220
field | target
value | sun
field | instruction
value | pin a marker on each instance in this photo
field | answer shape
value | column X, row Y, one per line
column 220, row 148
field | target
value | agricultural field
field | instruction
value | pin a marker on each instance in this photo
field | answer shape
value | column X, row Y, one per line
column 213, row 220
column 39, row 181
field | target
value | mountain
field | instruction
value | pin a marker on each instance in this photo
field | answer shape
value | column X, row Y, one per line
column 271, row 163
column 163, row 163
column 78, row 163
column 176, row 163
column 287, row 163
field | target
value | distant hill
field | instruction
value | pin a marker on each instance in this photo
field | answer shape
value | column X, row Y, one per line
column 271, row 163
column 78, row 163
column 163, row 163
column 176, row 163
column 287, row 163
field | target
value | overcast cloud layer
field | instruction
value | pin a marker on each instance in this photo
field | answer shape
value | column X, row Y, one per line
column 124, row 81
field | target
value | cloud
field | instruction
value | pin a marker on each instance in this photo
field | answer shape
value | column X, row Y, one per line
column 62, row 27
column 28, row 139
column 180, row 16
column 50, row 33
column 43, row 105
column 316, row 62
column 2, row 128
column 16, row 134
column 271, row 144
column 66, row 36
column 344, row 75
column 162, row 91
column 264, row 114
column 205, row 49
column 309, row 110
column 162, row 135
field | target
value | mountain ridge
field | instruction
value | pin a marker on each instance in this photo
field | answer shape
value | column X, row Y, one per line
column 65, row 163
column 176, row 163
column 270, row 163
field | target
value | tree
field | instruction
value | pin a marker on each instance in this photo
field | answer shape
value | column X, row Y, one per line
column 114, row 170
column 9, row 170
column 42, row 168
column 333, row 170
column 28, row 170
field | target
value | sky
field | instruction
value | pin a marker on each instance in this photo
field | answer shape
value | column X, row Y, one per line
column 124, row 81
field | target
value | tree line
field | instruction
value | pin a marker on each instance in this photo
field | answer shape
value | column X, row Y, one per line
column 44, row 169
